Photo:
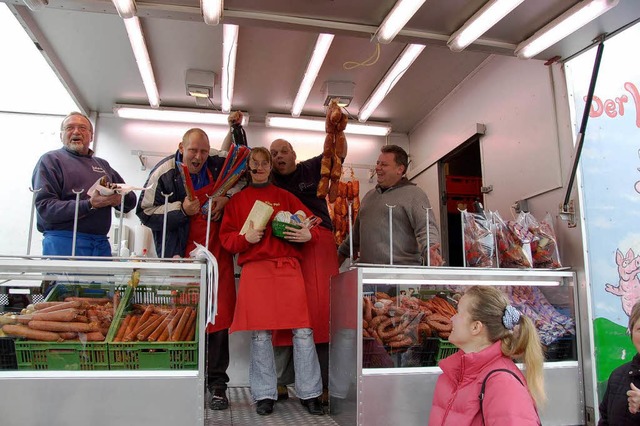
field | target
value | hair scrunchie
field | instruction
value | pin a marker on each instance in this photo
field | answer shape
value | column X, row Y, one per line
column 511, row 317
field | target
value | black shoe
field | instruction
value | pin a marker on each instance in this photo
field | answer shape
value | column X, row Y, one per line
column 265, row 407
column 283, row 393
column 219, row 400
column 313, row 405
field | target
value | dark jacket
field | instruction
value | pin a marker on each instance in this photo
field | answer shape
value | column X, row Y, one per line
column 165, row 178
column 614, row 408
column 59, row 173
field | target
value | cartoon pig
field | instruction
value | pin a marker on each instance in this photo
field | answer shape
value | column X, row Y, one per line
column 629, row 287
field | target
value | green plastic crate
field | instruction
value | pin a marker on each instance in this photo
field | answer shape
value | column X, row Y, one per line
column 445, row 349
column 32, row 355
column 154, row 355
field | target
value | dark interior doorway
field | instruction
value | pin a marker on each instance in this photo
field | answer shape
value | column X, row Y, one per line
column 460, row 184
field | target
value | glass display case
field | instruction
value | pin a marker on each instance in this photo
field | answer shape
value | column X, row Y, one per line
column 390, row 327
column 108, row 340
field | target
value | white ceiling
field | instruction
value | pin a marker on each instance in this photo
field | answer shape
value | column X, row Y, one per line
column 86, row 43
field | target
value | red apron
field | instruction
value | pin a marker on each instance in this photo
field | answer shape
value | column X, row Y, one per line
column 319, row 263
column 226, row 281
column 271, row 296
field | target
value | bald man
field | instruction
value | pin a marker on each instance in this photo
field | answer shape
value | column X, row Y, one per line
column 320, row 260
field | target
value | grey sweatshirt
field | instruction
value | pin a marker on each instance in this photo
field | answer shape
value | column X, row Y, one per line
column 371, row 229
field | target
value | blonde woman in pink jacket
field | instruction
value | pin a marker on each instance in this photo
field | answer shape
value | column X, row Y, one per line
column 480, row 384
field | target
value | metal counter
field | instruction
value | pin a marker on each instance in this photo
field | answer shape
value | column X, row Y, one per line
column 383, row 396
column 124, row 397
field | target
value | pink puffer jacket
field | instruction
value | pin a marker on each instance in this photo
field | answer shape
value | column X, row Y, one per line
column 506, row 401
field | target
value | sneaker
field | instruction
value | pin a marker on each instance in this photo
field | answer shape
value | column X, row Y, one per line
column 265, row 407
column 283, row 393
column 219, row 400
column 313, row 405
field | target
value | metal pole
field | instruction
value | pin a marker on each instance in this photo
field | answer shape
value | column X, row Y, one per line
column 583, row 124
column 33, row 207
column 428, row 236
column 164, row 223
column 390, row 233
column 206, row 243
column 75, row 221
column 350, row 231
column 121, row 219
column 495, row 239
column 464, row 252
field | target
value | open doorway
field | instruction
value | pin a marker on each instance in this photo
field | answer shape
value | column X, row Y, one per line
column 460, row 173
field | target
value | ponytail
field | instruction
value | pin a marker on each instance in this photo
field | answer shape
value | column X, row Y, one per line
column 524, row 344
column 517, row 333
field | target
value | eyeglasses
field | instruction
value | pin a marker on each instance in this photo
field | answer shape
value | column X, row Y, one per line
column 80, row 128
column 264, row 164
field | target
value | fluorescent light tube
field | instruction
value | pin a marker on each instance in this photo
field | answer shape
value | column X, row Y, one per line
column 211, row 11
column 180, row 115
column 229, row 49
column 317, row 124
column 402, row 64
column 567, row 23
column 317, row 58
column 36, row 5
column 480, row 22
column 126, row 8
column 397, row 19
column 139, row 47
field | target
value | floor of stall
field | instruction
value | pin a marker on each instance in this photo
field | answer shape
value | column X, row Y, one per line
column 242, row 412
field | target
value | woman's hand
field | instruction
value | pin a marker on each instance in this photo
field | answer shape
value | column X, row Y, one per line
column 633, row 397
column 253, row 235
column 295, row 235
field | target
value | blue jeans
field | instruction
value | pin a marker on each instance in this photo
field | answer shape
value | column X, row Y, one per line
column 59, row 243
column 262, row 369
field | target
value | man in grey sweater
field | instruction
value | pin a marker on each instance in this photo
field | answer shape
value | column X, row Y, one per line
column 371, row 229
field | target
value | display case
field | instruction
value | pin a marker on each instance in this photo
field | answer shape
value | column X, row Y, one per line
column 389, row 329
column 99, row 368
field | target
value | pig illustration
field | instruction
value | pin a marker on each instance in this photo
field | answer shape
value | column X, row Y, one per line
column 629, row 286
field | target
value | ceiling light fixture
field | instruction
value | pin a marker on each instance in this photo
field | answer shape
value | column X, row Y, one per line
column 211, row 11
column 126, row 8
column 139, row 47
column 317, row 124
column 397, row 19
column 229, row 49
column 317, row 58
column 180, row 115
column 36, row 5
column 565, row 24
column 480, row 22
column 395, row 73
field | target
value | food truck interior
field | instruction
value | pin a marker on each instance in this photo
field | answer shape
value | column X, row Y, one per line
column 482, row 125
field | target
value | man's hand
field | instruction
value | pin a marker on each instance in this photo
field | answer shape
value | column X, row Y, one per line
column 633, row 397
column 217, row 205
column 98, row 201
column 253, row 235
column 190, row 207
column 434, row 255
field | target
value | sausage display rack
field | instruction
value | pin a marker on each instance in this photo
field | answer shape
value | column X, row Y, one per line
column 401, row 392
column 129, row 394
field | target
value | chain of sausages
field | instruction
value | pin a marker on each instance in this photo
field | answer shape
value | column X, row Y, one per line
column 403, row 321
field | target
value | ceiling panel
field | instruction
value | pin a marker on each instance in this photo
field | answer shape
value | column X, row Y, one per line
column 276, row 38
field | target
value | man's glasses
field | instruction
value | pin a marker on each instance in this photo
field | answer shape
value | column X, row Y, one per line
column 81, row 128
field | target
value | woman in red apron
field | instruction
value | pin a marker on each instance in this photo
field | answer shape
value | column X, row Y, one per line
column 271, row 292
